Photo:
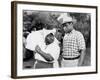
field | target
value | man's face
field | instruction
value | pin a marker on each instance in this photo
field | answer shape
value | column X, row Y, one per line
column 68, row 26
column 49, row 39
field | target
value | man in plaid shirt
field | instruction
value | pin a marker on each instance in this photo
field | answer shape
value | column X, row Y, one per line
column 73, row 43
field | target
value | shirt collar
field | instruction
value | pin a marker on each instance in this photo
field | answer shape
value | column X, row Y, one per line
column 73, row 31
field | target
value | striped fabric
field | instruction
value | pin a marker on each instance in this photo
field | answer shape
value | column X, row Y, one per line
column 72, row 43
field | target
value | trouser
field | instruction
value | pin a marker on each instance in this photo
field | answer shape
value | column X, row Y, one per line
column 41, row 64
column 69, row 63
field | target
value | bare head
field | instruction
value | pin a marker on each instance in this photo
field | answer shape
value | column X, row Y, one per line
column 49, row 39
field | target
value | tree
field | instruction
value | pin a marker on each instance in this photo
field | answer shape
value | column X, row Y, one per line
column 83, row 25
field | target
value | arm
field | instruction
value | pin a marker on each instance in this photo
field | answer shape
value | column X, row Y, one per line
column 60, row 55
column 46, row 56
column 82, row 48
column 81, row 57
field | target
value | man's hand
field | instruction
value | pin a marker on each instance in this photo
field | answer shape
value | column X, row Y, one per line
column 37, row 48
column 46, row 56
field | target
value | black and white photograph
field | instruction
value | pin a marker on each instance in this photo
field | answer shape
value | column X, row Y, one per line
column 66, row 39
column 54, row 39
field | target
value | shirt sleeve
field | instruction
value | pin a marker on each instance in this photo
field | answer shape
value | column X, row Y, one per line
column 81, row 41
column 31, row 41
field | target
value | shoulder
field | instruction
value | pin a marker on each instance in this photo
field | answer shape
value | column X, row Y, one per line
column 78, row 33
column 35, row 35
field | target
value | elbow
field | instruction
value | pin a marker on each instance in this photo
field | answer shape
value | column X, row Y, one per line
column 50, row 59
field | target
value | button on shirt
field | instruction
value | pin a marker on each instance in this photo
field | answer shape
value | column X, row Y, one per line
column 72, row 43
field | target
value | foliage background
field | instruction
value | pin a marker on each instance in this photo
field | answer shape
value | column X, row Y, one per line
column 35, row 20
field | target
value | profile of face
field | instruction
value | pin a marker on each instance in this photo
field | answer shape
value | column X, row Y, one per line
column 68, row 27
column 49, row 39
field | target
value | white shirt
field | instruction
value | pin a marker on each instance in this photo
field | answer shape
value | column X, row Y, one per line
column 33, row 39
column 37, row 38
column 54, row 50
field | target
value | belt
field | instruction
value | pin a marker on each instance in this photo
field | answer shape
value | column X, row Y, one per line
column 71, row 58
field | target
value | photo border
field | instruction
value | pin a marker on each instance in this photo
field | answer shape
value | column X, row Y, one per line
column 14, row 37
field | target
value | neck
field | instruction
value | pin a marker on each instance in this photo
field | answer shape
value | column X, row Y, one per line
column 68, row 31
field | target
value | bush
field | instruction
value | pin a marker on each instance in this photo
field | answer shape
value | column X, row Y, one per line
column 36, row 20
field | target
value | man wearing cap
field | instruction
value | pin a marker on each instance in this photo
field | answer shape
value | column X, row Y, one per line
column 73, row 44
column 45, row 47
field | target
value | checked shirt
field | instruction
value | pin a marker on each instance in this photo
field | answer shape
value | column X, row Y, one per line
column 72, row 43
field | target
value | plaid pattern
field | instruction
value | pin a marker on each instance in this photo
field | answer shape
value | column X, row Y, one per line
column 72, row 43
